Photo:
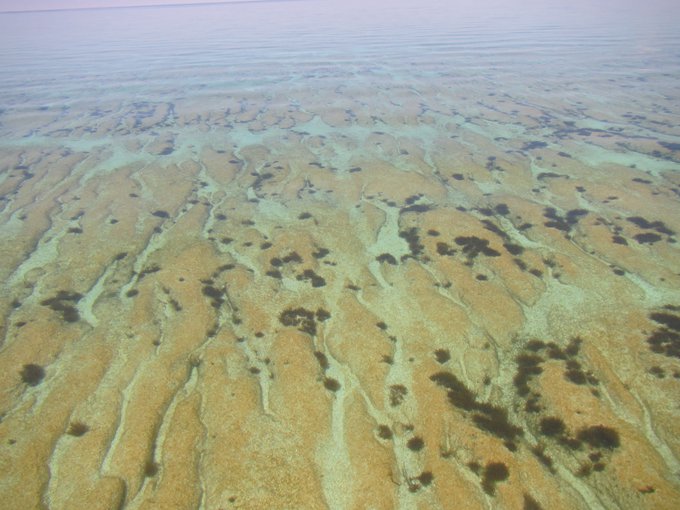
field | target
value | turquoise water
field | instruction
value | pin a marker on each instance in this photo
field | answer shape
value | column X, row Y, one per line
column 563, row 59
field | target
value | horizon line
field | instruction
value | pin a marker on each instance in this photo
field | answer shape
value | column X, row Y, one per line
column 142, row 6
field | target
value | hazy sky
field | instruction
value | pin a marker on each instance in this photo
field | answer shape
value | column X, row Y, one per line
column 31, row 5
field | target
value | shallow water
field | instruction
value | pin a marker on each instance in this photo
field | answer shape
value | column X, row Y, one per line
column 341, row 255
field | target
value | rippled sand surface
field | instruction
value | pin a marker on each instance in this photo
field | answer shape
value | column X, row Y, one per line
column 368, row 285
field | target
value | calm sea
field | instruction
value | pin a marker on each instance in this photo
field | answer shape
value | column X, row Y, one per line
column 163, row 53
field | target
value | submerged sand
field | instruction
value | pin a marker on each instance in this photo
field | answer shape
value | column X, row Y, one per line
column 263, row 301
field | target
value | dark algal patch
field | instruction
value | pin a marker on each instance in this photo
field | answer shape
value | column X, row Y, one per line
column 475, row 467
column 574, row 346
column 386, row 257
column 413, row 240
column 426, row 478
column 260, row 178
column 331, row 384
column 513, row 249
column 576, row 377
column 670, row 146
column 444, row 249
column 641, row 181
column 310, row 275
column 32, row 374
column 520, row 264
column 495, row 421
column 417, row 208
column 322, row 315
column 494, row 472
column 274, row 273
column 384, row 432
column 293, row 257
column 552, row 426
column 599, row 436
column 216, row 295
column 160, row 214
column 619, row 240
column 442, row 355
column 322, row 359
column 458, row 177
column 62, row 303
column 658, row 226
column 550, row 175
column 562, row 223
column 77, row 429
column 639, row 221
column 647, row 238
column 668, row 320
column 304, row 216
column 564, row 154
column 221, row 269
column 75, row 230
column 657, row 372
column 150, row 468
column 534, row 145
column 665, row 342
column 528, row 366
column 502, row 209
column 488, row 417
column 555, row 352
column 530, row 503
column 320, row 253
column 535, row 345
column 492, row 227
column 153, row 268
column 415, row 444
column 458, row 394
column 473, row 246
column 301, row 318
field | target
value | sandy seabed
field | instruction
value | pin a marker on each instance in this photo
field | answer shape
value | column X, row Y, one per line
column 427, row 298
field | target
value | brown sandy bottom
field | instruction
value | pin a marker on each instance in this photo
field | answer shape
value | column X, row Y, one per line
column 253, row 302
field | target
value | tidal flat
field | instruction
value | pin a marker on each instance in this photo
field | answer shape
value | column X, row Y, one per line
column 298, row 266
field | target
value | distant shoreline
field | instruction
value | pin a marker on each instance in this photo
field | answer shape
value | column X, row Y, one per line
column 146, row 6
